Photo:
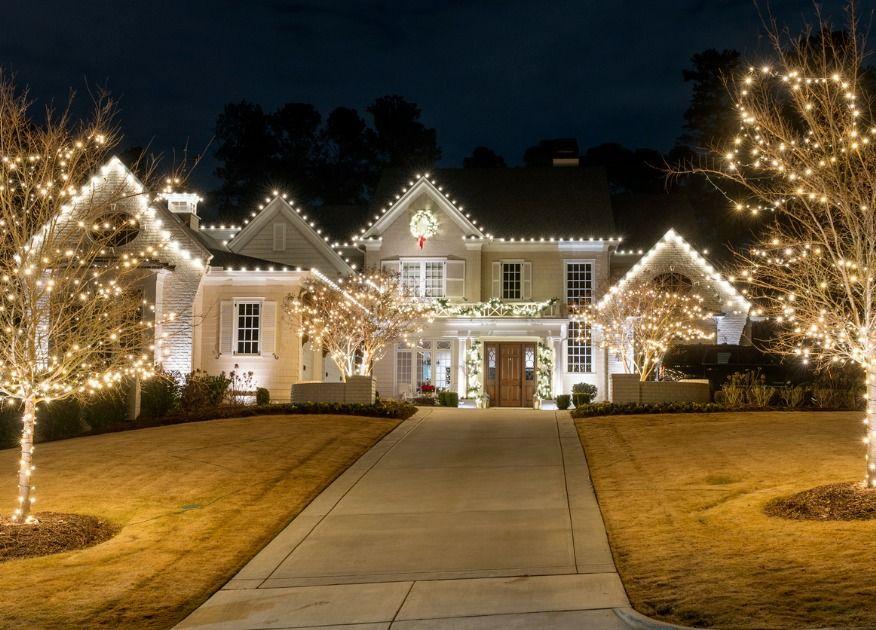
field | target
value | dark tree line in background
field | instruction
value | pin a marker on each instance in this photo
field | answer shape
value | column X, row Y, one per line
column 332, row 165
column 319, row 163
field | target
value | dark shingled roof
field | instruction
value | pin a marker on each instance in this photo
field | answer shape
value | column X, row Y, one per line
column 224, row 258
column 521, row 202
column 643, row 218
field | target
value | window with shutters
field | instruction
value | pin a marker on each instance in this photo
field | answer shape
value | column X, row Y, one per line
column 512, row 280
column 425, row 278
column 247, row 333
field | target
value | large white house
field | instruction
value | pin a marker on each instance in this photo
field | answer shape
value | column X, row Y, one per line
column 508, row 252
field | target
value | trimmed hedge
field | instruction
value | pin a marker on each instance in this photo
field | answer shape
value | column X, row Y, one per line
column 563, row 401
column 383, row 409
column 450, row 399
column 622, row 409
column 626, row 409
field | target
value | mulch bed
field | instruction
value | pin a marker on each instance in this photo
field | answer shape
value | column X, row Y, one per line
column 55, row 532
column 849, row 501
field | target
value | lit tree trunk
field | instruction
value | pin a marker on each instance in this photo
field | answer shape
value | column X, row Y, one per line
column 870, row 421
column 25, row 466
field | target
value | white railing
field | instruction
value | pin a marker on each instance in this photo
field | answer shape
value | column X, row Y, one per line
column 496, row 308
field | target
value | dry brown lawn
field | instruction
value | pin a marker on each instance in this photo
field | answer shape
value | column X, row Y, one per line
column 194, row 503
column 683, row 495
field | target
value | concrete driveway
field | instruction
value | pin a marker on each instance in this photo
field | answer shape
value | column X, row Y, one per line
column 463, row 519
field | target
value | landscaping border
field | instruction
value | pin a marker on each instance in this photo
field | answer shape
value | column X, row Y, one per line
column 626, row 409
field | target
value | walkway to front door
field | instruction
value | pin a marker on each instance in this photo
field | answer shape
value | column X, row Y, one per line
column 466, row 518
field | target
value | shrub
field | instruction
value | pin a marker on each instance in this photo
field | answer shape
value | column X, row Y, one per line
column 451, row 399
column 263, row 396
column 385, row 409
column 105, row 409
column 425, row 401
column 792, row 397
column 203, row 390
column 760, row 394
column 563, row 401
column 735, row 390
column 617, row 409
column 240, row 386
column 442, row 397
column 583, row 393
column 58, row 419
column 160, row 395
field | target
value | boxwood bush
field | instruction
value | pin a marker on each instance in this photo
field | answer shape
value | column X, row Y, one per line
column 563, row 401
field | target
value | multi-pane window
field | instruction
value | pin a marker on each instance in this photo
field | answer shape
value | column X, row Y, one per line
column 579, row 282
column 512, row 277
column 424, row 278
column 403, row 366
column 434, row 279
column 443, row 368
column 424, row 363
column 578, row 349
column 410, row 276
column 529, row 362
column 248, row 327
column 491, row 363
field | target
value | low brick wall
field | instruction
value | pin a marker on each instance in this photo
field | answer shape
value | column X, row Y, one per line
column 627, row 388
column 357, row 390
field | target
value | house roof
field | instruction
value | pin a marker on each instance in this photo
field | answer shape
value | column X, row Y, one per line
column 279, row 206
column 706, row 269
column 518, row 202
column 642, row 218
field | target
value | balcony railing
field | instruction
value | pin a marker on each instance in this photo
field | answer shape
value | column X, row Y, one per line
column 496, row 308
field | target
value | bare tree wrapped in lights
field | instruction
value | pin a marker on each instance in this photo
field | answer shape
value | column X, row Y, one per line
column 640, row 321
column 71, row 313
column 356, row 319
column 805, row 157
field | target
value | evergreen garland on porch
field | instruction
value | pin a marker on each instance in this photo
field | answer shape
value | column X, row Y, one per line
column 544, row 371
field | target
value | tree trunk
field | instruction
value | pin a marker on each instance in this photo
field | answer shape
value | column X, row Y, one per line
column 25, row 466
column 871, row 430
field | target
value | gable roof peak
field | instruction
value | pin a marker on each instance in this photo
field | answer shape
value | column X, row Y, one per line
column 279, row 204
column 672, row 237
column 391, row 211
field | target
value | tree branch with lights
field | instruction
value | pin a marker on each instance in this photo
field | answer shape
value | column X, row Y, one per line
column 805, row 157
column 72, row 318
column 356, row 319
column 639, row 322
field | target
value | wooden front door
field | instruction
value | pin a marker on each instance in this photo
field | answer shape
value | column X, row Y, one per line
column 509, row 377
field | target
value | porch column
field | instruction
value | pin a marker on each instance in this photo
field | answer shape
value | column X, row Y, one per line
column 461, row 375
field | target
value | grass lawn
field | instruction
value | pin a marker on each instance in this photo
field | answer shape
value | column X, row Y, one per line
column 194, row 503
column 683, row 494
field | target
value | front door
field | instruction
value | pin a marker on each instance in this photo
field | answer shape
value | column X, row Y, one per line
column 510, row 373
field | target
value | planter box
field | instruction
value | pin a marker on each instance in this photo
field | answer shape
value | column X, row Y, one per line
column 356, row 390
column 626, row 388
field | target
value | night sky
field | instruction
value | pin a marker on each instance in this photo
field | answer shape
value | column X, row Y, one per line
column 498, row 73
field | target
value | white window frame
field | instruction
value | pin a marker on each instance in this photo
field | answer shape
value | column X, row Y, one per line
column 519, row 263
column 235, row 312
column 409, row 352
column 571, row 342
column 584, row 261
column 421, row 289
